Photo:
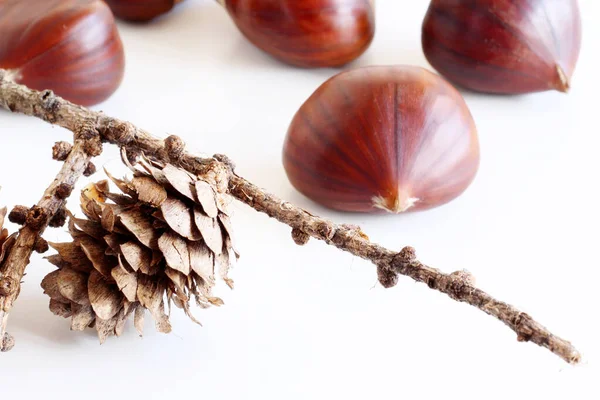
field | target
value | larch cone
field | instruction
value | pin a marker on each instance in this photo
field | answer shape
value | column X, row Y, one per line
column 382, row 138
column 165, row 238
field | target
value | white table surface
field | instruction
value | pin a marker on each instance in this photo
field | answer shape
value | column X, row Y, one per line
column 311, row 323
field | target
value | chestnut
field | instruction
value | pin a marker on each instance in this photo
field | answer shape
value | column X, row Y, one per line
column 69, row 46
column 504, row 46
column 140, row 10
column 395, row 138
column 307, row 33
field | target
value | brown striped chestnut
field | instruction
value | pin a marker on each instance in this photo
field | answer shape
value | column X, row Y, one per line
column 69, row 46
column 307, row 33
column 382, row 138
column 504, row 46
column 140, row 10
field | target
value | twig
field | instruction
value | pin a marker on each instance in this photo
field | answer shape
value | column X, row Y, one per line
column 458, row 285
column 36, row 221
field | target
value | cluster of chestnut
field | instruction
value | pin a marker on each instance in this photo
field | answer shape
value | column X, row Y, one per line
column 376, row 138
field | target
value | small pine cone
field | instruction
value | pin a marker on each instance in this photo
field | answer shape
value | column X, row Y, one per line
column 165, row 236
column 6, row 241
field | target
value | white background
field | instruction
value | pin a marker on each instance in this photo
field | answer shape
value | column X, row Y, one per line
column 311, row 323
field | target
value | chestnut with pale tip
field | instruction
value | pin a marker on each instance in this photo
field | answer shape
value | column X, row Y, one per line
column 395, row 138
column 308, row 33
column 141, row 10
column 504, row 46
column 71, row 47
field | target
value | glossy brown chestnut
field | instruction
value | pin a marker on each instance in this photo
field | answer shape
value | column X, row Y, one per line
column 69, row 46
column 140, row 10
column 504, row 46
column 307, row 33
column 382, row 138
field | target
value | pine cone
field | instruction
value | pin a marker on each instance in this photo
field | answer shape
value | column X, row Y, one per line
column 162, row 237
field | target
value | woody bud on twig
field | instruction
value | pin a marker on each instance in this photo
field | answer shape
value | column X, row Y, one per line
column 61, row 150
column 18, row 215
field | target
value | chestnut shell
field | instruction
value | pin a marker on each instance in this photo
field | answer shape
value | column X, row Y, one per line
column 140, row 10
column 382, row 138
column 504, row 46
column 69, row 46
column 307, row 33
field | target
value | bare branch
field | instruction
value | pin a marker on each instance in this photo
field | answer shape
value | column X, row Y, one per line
column 458, row 285
column 37, row 220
